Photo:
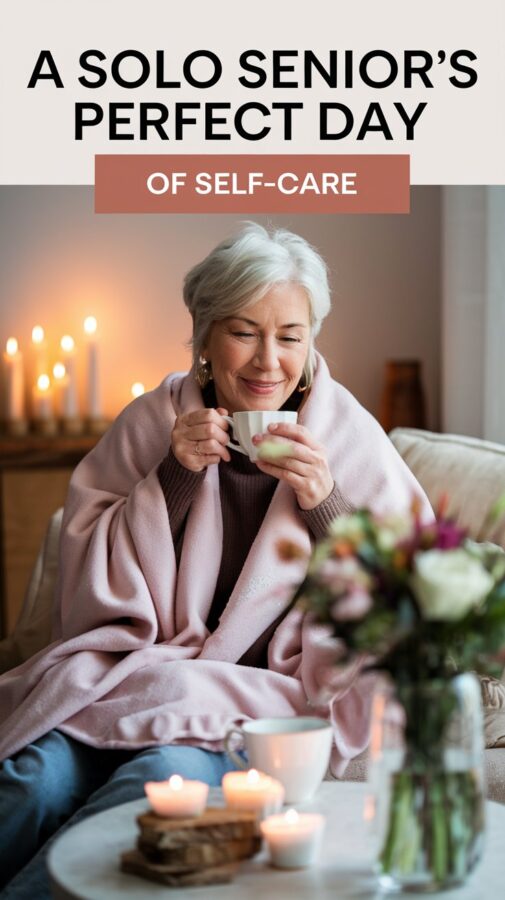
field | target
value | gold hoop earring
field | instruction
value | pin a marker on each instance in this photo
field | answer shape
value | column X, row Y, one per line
column 203, row 373
column 303, row 384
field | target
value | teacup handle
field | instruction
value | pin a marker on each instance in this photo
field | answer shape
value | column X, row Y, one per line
column 231, row 444
column 239, row 762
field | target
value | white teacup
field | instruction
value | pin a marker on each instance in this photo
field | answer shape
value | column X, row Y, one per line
column 294, row 750
column 247, row 423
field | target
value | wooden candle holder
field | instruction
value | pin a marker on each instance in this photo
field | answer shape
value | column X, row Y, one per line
column 187, row 852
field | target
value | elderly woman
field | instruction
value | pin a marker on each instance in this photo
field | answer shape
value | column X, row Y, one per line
column 174, row 618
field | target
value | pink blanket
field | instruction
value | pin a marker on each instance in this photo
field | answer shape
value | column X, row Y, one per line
column 133, row 664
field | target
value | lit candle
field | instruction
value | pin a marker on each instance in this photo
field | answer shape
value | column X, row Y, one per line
column 39, row 352
column 253, row 791
column 42, row 398
column 177, row 798
column 60, row 383
column 94, row 409
column 67, row 345
column 42, row 404
column 293, row 839
column 14, row 387
column 137, row 389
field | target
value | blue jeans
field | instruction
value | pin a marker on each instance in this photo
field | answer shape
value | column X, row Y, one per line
column 58, row 781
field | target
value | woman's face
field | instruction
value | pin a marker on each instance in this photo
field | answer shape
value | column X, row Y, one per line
column 257, row 356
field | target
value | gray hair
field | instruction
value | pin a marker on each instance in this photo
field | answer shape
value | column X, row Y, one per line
column 242, row 269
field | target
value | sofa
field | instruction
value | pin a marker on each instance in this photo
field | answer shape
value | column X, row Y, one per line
column 470, row 472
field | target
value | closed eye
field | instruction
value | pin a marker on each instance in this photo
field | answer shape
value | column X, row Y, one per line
column 286, row 338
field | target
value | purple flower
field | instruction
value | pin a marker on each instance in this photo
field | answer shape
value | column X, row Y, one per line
column 448, row 535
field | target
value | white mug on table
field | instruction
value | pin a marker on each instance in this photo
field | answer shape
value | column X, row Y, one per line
column 294, row 750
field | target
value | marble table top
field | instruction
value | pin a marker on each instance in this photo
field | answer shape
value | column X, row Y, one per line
column 84, row 861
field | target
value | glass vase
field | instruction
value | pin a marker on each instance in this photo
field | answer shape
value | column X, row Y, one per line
column 426, row 799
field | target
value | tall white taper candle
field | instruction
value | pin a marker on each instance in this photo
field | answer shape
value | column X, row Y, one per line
column 94, row 409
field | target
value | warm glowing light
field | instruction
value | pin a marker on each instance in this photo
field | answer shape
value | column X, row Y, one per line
column 11, row 347
column 175, row 782
column 43, row 382
column 37, row 334
column 67, row 343
column 253, row 776
column 90, row 325
column 59, row 371
column 291, row 817
column 138, row 389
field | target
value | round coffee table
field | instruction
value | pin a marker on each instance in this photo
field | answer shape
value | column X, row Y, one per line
column 84, row 861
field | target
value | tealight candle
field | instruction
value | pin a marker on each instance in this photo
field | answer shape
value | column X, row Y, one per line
column 253, row 791
column 293, row 839
column 177, row 798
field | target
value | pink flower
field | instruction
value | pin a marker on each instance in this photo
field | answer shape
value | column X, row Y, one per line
column 340, row 576
column 353, row 606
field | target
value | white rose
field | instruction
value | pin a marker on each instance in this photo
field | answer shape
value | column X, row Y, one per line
column 449, row 583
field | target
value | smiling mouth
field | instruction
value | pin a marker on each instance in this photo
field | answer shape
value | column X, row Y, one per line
column 261, row 385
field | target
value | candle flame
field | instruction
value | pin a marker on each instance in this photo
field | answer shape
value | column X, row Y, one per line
column 11, row 346
column 59, row 371
column 67, row 343
column 175, row 782
column 37, row 334
column 253, row 776
column 43, row 382
column 137, row 389
column 291, row 817
column 90, row 325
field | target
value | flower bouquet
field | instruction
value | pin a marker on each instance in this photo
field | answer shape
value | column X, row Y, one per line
column 423, row 604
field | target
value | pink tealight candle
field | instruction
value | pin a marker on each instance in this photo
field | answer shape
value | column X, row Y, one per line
column 177, row 798
column 252, row 791
column 293, row 839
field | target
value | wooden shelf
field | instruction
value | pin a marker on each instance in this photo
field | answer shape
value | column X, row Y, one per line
column 37, row 451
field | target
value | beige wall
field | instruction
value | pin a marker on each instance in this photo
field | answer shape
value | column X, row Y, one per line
column 59, row 262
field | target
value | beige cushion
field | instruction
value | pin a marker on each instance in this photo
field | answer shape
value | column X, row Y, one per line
column 33, row 628
column 493, row 699
column 470, row 471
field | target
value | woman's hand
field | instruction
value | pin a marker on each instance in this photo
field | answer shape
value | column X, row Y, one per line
column 304, row 467
column 199, row 439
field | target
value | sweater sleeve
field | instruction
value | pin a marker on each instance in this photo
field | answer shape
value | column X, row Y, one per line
column 318, row 519
column 179, row 486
